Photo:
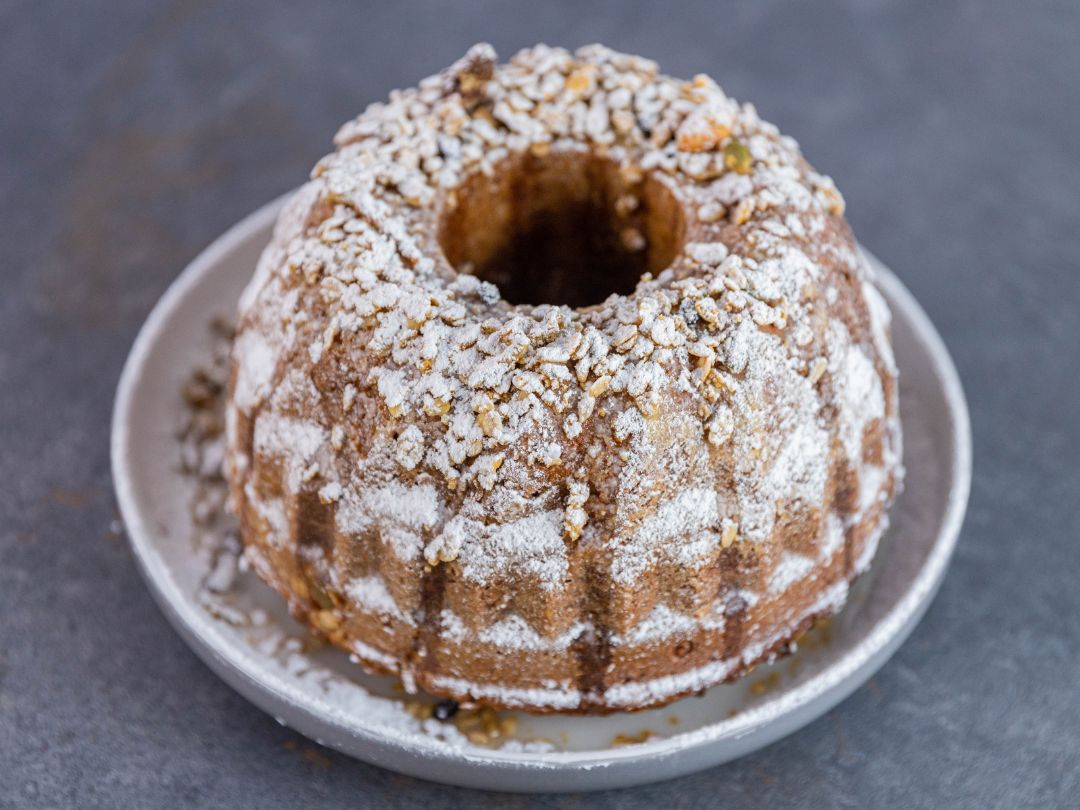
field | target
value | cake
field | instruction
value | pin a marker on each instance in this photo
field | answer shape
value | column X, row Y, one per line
column 562, row 386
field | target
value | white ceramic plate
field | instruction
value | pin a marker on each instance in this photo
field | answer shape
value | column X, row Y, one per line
column 323, row 696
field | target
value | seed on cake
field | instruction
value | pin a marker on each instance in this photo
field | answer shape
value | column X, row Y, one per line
column 581, row 81
column 711, row 212
column 298, row 585
column 624, row 338
column 599, row 386
column 327, row 620
column 743, row 211
column 729, row 535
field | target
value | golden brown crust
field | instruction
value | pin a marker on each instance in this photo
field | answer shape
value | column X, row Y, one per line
column 562, row 508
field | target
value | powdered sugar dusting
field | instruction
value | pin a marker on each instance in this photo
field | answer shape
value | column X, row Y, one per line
column 790, row 569
column 860, row 395
column 372, row 594
column 646, row 692
column 402, row 512
column 664, row 623
column 530, row 546
column 514, row 633
column 832, row 539
column 861, row 400
column 257, row 372
column 687, row 515
column 293, row 441
column 558, row 696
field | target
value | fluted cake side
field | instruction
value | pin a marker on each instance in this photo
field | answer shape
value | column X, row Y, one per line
column 562, row 386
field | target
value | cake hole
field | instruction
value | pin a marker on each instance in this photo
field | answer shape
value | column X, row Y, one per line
column 565, row 228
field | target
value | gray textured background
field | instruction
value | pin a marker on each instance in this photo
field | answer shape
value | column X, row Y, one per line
column 133, row 134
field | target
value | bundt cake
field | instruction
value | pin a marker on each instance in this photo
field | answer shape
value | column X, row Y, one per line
column 562, row 386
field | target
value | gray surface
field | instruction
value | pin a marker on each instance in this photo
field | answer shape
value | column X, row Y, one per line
column 131, row 136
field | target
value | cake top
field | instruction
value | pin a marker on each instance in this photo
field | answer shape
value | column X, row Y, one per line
column 727, row 341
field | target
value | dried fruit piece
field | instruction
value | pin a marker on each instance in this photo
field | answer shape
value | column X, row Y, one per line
column 445, row 709
column 737, row 157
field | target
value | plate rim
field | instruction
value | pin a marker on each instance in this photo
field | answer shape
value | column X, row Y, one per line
column 800, row 705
